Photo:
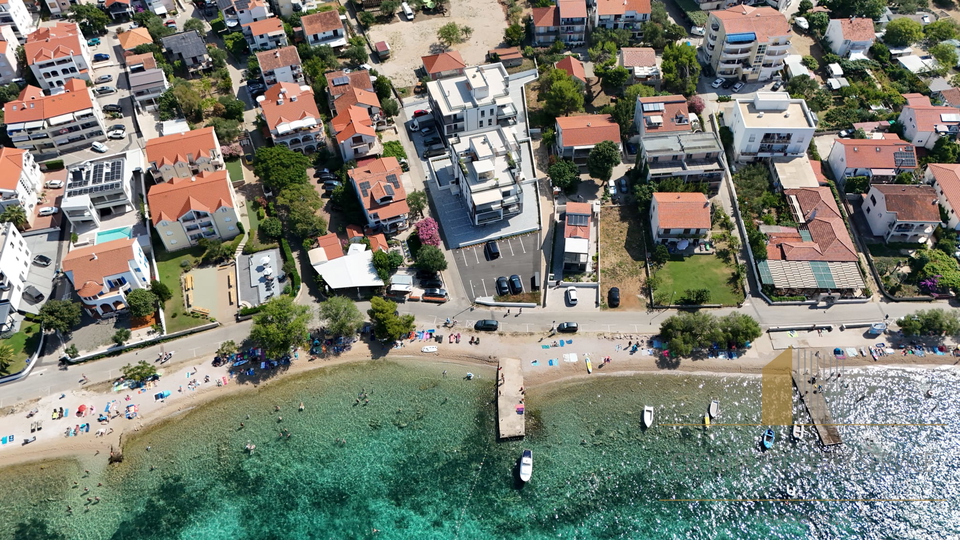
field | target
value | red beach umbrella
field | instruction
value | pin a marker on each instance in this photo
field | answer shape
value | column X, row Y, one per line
column 81, row 408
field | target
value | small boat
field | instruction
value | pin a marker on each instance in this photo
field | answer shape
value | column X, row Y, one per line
column 792, row 492
column 647, row 416
column 768, row 437
column 429, row 349
column 797, row 432
column 714, row 409
column 706, row 420
column 589, row 364
column 526, row 465
column 28, row 441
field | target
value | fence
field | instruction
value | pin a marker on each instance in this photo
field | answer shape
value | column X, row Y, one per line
column 158, row 339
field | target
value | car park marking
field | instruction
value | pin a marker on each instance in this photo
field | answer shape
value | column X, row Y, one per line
column 509, row 243
column 523, row 248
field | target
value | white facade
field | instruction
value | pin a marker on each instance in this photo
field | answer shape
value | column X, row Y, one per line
column 924, row 125
column 20, row 180
column 880, row 208
column 206, row 209
column 14, row 266
column 265, row 35
column 622, row 14
column 57, row 54
column 477, row 100
column 746, row 43
column 490, row 187
column 104, row 274
column 945, row 179
column 850, row 36
column 147, row 86
column 70, row 128
column 9, row 67
column 14, row 13
column 771, row 125
column 106, row 181
column 287, row 8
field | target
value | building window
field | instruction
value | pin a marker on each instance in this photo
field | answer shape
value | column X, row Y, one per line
column 228, row 220
column 868, row 209
column 873, row 200
column 483, row 113
column 753, row 138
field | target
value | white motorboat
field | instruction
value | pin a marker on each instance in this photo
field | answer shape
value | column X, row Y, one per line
column 647, row 416
column 714, row 409
column 797, row 432
column 526, row 465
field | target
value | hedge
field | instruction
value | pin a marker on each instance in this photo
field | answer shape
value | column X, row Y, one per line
column 250, row 310
column 54, row 165
column 288, row 256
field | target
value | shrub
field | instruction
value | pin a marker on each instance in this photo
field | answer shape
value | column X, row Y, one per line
column 288, row 258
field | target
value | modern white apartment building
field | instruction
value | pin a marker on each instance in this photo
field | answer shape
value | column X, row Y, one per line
column 626, row 14
column 281, row 65
column 324, row 29
column 57, row 54
column 477, row 100
column 184, row 155
column 185, row 210
column 287, row 8
column 746, row 43
column 15, row 259
column 772, row 124
column 9, row 65
column 238, row 13
column 104, row 274
column 489, row 175
column 105, row 184
column 54, row 124
column 292, row 117
column 20, row 180
column 14, row 13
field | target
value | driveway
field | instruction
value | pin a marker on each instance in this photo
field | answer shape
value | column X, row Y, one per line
column 559, row 305
column 42, row 277
column 519, row 255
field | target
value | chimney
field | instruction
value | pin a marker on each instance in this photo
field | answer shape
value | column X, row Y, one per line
column 877, row 149
column 276, row 54
column 786, row 114
column 93, row 257
column 760, row 114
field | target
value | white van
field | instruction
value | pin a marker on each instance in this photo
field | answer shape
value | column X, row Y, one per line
column 407, row 12
column 612, row 186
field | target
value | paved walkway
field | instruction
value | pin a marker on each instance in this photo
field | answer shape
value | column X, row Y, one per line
column 510, row 407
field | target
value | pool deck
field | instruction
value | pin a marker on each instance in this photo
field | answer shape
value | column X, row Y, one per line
column 87, row 234
column 511, row 420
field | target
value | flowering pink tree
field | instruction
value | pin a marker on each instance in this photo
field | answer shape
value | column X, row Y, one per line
column 429, row 232
column 696, row 104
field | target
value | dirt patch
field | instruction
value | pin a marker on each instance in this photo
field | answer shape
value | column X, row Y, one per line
column 136, row 323
column 622, row 255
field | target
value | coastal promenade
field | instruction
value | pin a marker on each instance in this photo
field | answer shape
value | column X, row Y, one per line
column 511, row 419
column 816, row 405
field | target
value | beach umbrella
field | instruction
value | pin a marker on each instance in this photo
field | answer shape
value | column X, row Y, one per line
column 264, row 260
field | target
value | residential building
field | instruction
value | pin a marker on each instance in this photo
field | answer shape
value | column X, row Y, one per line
column 850, row 36
column 627, row 14
column 57, row 54
column 292, row 117
column 573, row 67
column 816, row 256
column 58, row 7
column 880, row 160
column 354, row 88
column 577, row 135
column 134, row 37
column 746, row 43
column 189, row 48
column 160, row 7
column 287, row 8
column 508, row 56
column 489, row 175
column 104, row 184
column 796, row 172
column 675, row 217
column 20, row 180
column 140, row 62
column 329, row 247
column 478, row 99
column 265, row 35
column 324, row 29
column 355, row 134
column 576, row 236
column 147, row 86
column 945, row 179
column 642, row 64
column 281, row 65
column 237, row 13
column 658, row 115
column 924, row 124
column 354, row 272
column 902, row 212
column 15, row 260
column 772, row 124
column 445, row 64
column 692, row 156
column 14, row 13
column 54, row 124
column 184, row 210
column 566, row 22
column 949, row 96
column 184, row 155
column 384, row 200
column 104, row 274
column 9, row 65
column 118, row 9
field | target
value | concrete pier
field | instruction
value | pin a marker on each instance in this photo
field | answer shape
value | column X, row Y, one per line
column 816, row 405
column 511, row 420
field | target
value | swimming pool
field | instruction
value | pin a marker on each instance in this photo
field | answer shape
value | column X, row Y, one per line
column 114, row 234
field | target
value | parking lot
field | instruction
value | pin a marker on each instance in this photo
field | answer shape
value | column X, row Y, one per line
column 519, row 255
column 586, row 299
column 41, row 277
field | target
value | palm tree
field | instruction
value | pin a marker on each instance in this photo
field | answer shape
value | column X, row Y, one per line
column 6, row 358
column 15, row 214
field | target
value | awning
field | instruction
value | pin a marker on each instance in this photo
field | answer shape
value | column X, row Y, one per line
column 884, row 172
column 15, row 127
column 37, row 124
column 486, row 197
column 61, row 119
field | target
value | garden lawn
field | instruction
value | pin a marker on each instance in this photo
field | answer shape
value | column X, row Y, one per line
column 699, row 272
column 169, row 266
column 235, row 169
column 23, row 343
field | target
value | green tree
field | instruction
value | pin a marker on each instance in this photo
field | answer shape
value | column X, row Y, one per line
column 603, row 157
column 856, row 184
column 564, row 97
column 60, row 315
column 417, row 202
column 841, row 9
column 233, row 107
column 92, row 20
column 197, row 25
column 661, row 255
column 689, row 330
column 367, row 19
column 6, row 358
column 945, row 54
column 298, row 204
column 235, row 43
column 945, row 151
column 161, row 291
column 390, row 107
column 804, row 6
column 121, row 336
column 142, row 302
column 388, row 8
column 680, row 69
column 227, row 129
column 941, row 30
column 140, row 372
column 272, row 227
column 739, row 329
column 72, row 351
column 214, row 250
column 387, row 325
column 227, row 348
column 340, row 315
column 802, row 86
column 617, row 77
column 902, row 32
column 279, row 167
column 818, row 23
column 386, row 263
column 514, row 35
column 280, row 325
column 452, row 33
column 932, row 322
column 431, row 259
column 810, row 62
column 565, row 175
column 16, row 215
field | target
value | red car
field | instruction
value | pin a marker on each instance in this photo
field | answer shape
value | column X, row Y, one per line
column 421, row 112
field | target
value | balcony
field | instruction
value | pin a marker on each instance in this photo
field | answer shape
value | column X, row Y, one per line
column 780, row 47
column 737, row 53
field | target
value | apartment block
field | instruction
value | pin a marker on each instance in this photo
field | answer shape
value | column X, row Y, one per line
column 14, row 13
column 292, row 117
column 746, row 43
column 281, row 65
column 566, row 22
column 186, row 210
column 15, row 259
column 265, row 35
column 54, row 124
column 902, row 212
column 622, row 14
column 20, row 180
column 378, row 185
column 104, row 274
column 324, row 29
column 489, row 175
column 850, row 36
column 772, row 124
column 237, row 13
column 479, row 99
column 9, row 65
column 104, row 184
column 57, row 54
column 184, row 155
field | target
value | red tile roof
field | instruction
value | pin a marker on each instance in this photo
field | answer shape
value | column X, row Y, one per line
column 353, row 121
column 951, row 96
column 682, row 211
column 818, row 172
column 11, row 167
column 32, row 105
column 378, row 242
column 447, row 61
column 947, row 176
column 133, row 38
column 172, row 149
column 207, row 192
column 270, row 25
column 917, row 99
column 830, row 241
column 638, row 57
column 506, row 53
column 928, row 117
column 374, row 174
column 546, row 17
column 860, row 29
column 147, row 59
column 319, row 23
column 331, row 246
column 356, row 96
column 278, row 58
column 296, row 104
column 587, row 130
column 876, row 153
column 58, row 41
column 572, row 9
column 577, row 231
column 619, row 7
column 910, row 202
column 765, row 22
column 90, row 265
column 573, row 67
column 355, row 79
column 673, row 108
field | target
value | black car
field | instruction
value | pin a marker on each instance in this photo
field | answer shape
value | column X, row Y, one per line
column 516, row 286
column 42, row 260
column 424, row 275
column 776, row 86
column 431, row 284
column 568, row 327
column 114, row 108
column 613, row 297
column 727, row 83
column 503, row 288
column 492, row 249
column 33, row 293
column 489, row 325
column 432, row 141
column 256, row 90
column 330, row 185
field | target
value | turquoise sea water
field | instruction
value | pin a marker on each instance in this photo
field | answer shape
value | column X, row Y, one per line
column 420, row 461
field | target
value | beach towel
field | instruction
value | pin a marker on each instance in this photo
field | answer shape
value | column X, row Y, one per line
column 224, row 380
column 792, row 333
column 569, row 341
column 3, row 440
column 561, row 343
column 544, row 346
column 552, row 362
column 535, row 363
column 519, row 409
column 723, row 355
column 852, row 352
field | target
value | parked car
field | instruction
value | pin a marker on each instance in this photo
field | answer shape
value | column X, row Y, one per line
column 112, row 108
column 572, row 296
column 101, row 57
column 331, row 185
column 433, row 141
column 503, row 288
column 431, row 284
column 256, row 89
column 488, row 325
column 727, row 84
column 516, row 286
column 420, row 112
column 426, row 130
column 98, row 146
column 105, row 90
column 717, row 83
column 34, row 294
column 776, row 86
column 613, row 297
column 697, row 30
column 93, row 42
column 48, row 211
column 42, row 260
column 568, row 327
column 845, row 133
column 739, row 86
column 492, row 249
column 442, row 293
column 624, row 185
column 54, row 184
column 170, row 23
column 117, row 131
column 424, row 275
column 435, row 150
column 802, row 23
column 103, row 79
column 404, row 165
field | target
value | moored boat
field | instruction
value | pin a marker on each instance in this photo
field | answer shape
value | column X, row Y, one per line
column 768, row 438
column 706, row 420
column 526, row 465
column 647, row 416
column 797, row 432
column 714, row 409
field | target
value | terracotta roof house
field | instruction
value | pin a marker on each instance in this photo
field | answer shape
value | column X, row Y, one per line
column 20, row 181
column 141, row 62
column 573, row 67
column 184, row 155
column 380, row 189
column 356, row 136
column 324, row 28
column 924, row 123
column 880, row 160
column 656, row 115
column 642, row 64
column 353, row 88
column 265, row 35
column 281, row 65
column 850, row 36
column 576, row 236
column 627, row 14
column 577, row 135
column 675, row 217
column 118, row 8
column 445, row 64
column 54, row 124
column 133, row 38
column 945, row 179
column 57, row 54
column 949, row 96
column 329, row 247
column 292, row 117
column 184, row 210
column 508, row 56
column 103, row 274
column 902, row 212
column 566, row 22
column 383, row 49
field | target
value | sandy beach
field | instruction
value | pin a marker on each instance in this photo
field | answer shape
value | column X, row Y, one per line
column 93, row 450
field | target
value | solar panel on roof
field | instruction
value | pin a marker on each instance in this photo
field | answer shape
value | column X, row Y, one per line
column 950, row 117
column 905, row 159
column 388, row 189
column 650, row 107
column 577, row 220
column 392, row 178
column 364, row 185
column 340, row 81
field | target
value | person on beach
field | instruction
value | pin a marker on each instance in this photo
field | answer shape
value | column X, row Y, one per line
column 301, row 405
